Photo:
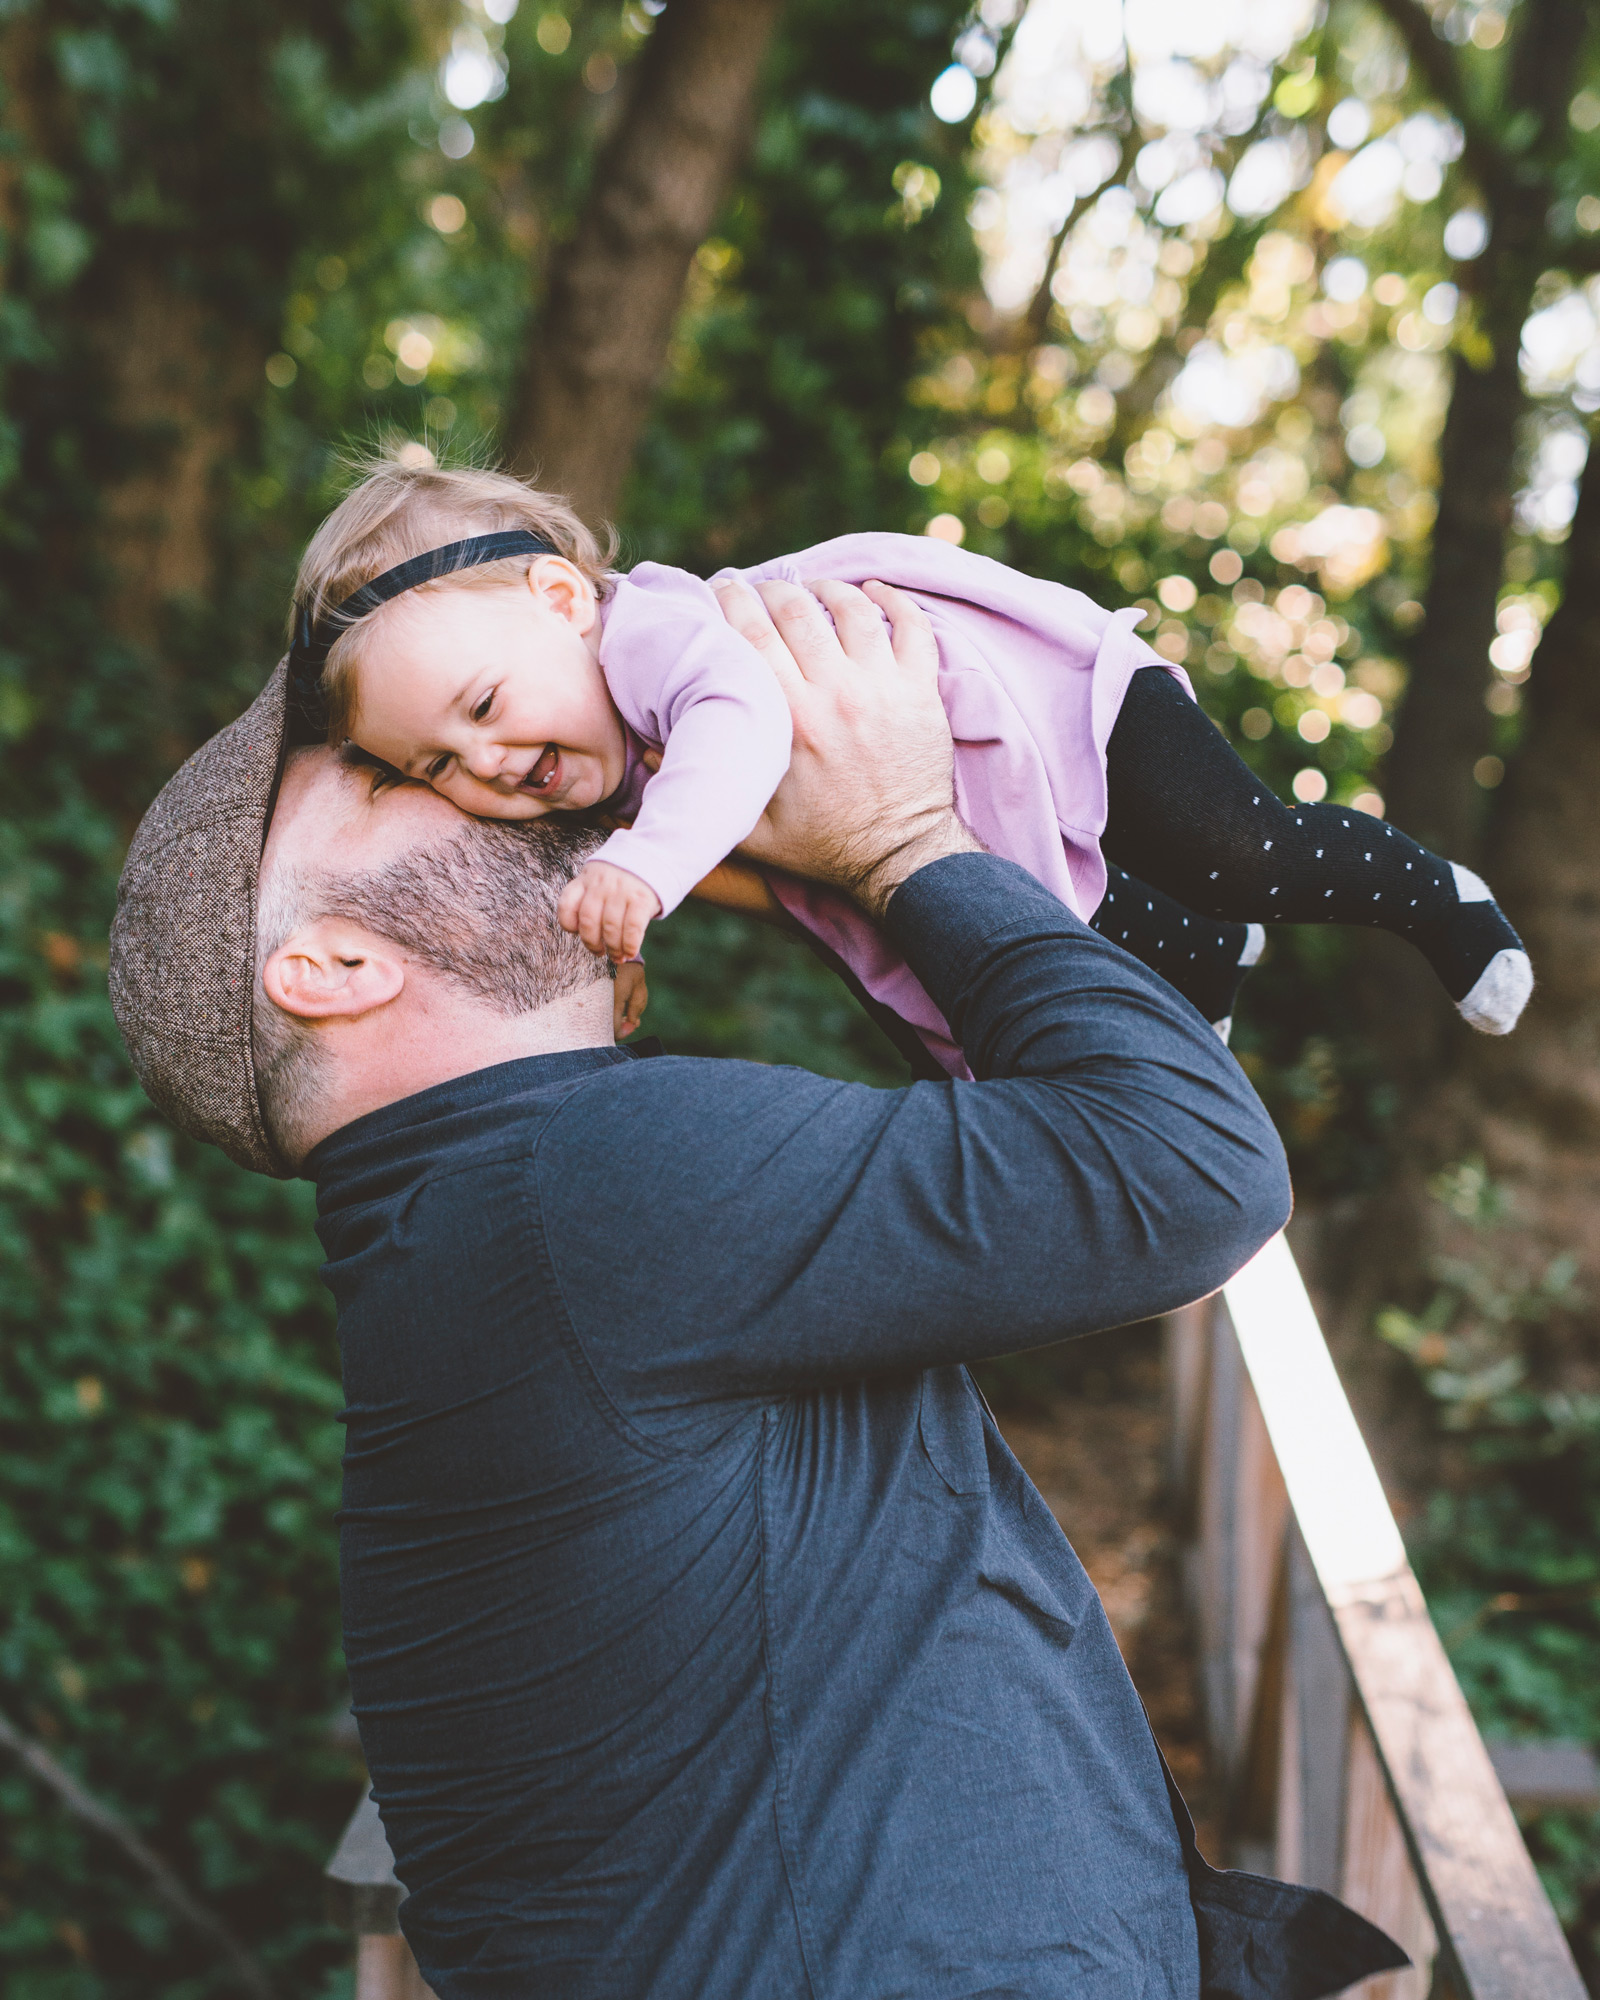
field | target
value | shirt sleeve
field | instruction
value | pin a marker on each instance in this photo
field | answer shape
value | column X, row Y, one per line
column 683, row 678
column 720, row 1230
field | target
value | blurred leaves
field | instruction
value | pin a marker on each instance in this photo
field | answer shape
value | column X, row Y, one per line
column 168, row 1377
column 1509, row 1547
column 168, row 1466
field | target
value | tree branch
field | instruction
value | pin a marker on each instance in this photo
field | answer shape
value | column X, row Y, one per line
column 1432, row 56
column 1036, row 320
column 594, row 360
column 248, row 1973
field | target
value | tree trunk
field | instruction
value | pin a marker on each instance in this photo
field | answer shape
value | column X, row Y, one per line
column 1444, row 727
column 1528, row 1105
column 600, row 347
column 152, row 383
column 183, row 383
column 1532, row 1101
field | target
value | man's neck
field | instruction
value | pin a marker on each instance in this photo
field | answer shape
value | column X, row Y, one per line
column 436, row 1038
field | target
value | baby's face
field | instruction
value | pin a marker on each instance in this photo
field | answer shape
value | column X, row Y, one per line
column 495, row 697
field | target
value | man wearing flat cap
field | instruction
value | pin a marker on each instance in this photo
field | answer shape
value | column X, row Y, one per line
column 706, row 1640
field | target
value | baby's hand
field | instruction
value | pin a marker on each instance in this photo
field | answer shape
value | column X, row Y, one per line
column 608, row 908
column 631, row 999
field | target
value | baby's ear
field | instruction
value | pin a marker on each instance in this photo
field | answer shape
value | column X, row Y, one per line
column 564, row 589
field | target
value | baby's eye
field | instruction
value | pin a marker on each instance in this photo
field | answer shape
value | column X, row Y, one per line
column 437, row 769
column 481, row 712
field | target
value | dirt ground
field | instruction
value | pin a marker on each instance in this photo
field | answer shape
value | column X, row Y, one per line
column 1092, row 1441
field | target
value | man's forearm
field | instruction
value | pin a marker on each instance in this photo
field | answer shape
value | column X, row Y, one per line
column 1032, row 993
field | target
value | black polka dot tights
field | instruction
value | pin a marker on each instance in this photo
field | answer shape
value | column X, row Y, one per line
column 1195, row 835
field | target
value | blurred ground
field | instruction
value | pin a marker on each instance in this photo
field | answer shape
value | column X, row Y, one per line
column 1089, row 1433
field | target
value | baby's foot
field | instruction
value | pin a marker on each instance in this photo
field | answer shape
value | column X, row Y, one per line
column 1478, row 956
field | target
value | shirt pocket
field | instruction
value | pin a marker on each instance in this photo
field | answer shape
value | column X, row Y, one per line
column 950, row 1425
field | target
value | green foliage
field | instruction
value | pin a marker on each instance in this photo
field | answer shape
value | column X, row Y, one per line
column 285, row 182
column 1509, row 1549
column 168, row 1463
column 1465, row 1343
column 720, row 986
column 168, row 1455
column 168, row 1381
column 172, row 161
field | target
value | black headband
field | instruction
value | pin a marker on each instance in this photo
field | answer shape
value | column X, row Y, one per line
column 308, row 655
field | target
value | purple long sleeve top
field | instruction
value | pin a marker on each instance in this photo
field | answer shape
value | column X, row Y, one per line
column 1032, row 676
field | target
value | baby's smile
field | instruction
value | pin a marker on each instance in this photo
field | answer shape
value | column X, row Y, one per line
column 546, row 773
column 530, row 781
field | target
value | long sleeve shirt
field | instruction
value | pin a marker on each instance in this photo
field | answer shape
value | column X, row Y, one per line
column 1031, row 675
column 706, row 1640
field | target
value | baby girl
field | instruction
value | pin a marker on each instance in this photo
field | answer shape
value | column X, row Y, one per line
column 468, row 631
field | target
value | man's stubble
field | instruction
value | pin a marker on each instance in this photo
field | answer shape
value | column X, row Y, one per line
column 478, row 909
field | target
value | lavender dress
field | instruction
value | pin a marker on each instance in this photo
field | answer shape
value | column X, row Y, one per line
column 1031, row 674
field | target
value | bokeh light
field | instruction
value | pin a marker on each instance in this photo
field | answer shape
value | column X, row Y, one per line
column 954, row 93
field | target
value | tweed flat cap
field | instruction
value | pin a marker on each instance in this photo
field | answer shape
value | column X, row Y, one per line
column 183, row 939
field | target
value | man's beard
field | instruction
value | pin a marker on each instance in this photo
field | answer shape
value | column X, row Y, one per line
column 480, row 909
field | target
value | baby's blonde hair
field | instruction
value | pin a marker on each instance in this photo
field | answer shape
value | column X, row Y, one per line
column 398, row 509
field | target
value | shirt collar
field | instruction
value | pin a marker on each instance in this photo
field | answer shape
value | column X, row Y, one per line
column 478, row 1088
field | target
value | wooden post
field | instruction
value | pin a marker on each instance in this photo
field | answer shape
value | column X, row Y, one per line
column 1212, row 1570
column 1408, row 1724
column 1261, row 1509
column 1376, row 1876
column 1322, row 1727
column 1186, row 1340
column 1498, row 1935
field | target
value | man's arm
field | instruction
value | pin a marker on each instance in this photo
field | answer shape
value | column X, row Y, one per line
column 727, row 1230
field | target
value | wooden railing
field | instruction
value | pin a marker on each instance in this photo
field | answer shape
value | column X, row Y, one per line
column 1348, row 1753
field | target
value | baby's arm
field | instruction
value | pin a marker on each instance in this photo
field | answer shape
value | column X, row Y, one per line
column 683, row 678
column 740, row 886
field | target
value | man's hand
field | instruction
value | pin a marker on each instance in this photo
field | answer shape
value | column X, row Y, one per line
column 869, row 794
column 609, row 908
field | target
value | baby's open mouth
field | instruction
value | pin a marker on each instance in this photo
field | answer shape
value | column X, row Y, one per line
column 544, row 773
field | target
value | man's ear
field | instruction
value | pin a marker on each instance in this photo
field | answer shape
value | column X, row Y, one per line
column 333, row 970
column 561, row 587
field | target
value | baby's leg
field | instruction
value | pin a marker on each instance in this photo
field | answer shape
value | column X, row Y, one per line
column 1187, row 815
column 1206, row 960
